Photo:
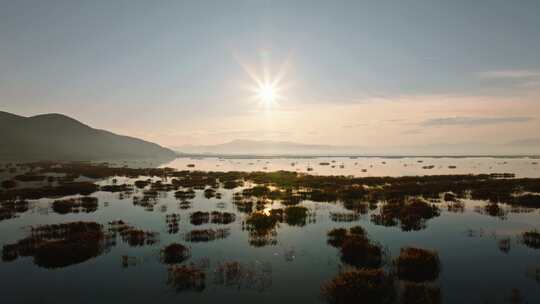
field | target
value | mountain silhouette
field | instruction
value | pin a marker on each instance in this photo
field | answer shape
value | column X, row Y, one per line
column 59, row 137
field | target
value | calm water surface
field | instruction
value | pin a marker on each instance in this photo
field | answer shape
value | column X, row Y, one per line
column 297, row 260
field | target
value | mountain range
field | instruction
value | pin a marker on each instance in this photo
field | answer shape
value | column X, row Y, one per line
column 59, row 137
column 268, row 147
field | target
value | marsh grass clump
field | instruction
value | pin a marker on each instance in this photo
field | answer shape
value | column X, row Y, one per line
column 262, row 227
column 417, row 264
column 420, row 293
column 206, row 235
column 61, row 190
column 175, row 254
column 137, row 237
column 344, row 216
column 296, row 215
column 199, row 218
column 410, row 214
column 59, row 245
column 337, row 236
column 141, row 184
column 172, row 221
column 8, row 184
column 531, row 239
column 372, row 286
column 183, row 278
column 209, row 193
column 12, row 208
column 361, row 252
column 494, row 210
column 185, row 194
column 117, row 188
column 85, row 204
column 223, row 218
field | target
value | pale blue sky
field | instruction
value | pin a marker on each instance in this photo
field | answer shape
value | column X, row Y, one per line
column 171, row 71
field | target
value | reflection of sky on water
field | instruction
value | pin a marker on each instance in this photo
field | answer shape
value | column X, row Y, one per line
column 473, row 267
column 373, row 166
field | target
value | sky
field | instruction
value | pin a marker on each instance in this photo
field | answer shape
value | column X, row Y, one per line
column 370, row 73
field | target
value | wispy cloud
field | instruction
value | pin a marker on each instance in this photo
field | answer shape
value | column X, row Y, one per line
column 509, row 74
column 473, row 121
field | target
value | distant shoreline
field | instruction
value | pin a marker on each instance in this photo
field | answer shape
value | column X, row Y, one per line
column 293, row 156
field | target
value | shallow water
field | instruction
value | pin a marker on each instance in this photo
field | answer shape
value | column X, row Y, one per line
column 474, row 267
column 373, row 166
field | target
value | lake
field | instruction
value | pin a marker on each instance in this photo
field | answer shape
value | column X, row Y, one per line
column 244, row 238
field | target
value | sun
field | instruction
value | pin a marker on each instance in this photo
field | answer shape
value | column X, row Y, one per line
column 267, row 93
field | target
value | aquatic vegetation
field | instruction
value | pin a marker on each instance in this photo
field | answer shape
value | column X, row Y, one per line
column 199, row 218
column 336, row 236
column 296, row 215
column 183, row 278
column 224, row 218
column 133, row 236
column 117, row 188
column 361, row 252
column 12, row 208
column 262, row 222
column 256, row 276
column 175, row 254
column 209, row 193
column 59, row 245
column 30, row 178
column 8, row 184
column 420, row 293
column 142, row 183
column 411, row 214
column 493, row 209
column 64, row 189
column 262, row 228
column 531, row 239
column 185, row 195
column 504, row 245
column 206, row 235
column 417, row 264
column 172, row 221
column 372, row 286
column 344, row 216
column 85, row 204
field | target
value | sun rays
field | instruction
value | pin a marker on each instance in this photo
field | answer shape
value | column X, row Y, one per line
column 267, row 87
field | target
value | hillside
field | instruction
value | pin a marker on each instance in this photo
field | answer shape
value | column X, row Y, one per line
column 59, row 137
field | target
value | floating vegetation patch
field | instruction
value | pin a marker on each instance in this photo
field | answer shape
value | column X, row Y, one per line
column 420, row 293
column 185, row 194
column 224, row 218
column 10, row 209
column 86, row 204
column 372, row 286
column 175, row 254
column 417, row 264
column 493, row 209
column 206, row 235
column 186, row 278
column 133, row 236
column 60, row 245
column 531, row 239
column 117, row 188
column 256, row 276
column 199, row 218
column 262, row 228
column 344, row 216
column 411, row 214
column 172, row 221
column 64, row 189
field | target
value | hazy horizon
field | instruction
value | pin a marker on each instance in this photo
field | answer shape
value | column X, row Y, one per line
column 375, row 74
